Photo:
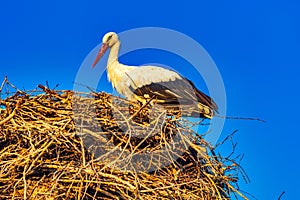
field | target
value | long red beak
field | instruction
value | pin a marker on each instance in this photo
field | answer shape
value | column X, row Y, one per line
column 102, row 50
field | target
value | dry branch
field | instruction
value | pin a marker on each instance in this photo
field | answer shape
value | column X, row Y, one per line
column 67, row 145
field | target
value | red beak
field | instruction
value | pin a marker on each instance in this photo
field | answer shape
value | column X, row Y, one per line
column 102, row 50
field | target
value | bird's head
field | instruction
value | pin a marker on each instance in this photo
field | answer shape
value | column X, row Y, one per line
column 109, row 39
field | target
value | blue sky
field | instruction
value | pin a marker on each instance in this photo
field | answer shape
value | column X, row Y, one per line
column 254, row 44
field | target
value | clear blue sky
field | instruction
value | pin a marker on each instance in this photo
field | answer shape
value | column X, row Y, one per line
column 255, row 46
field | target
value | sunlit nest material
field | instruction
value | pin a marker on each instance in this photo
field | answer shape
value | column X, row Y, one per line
column 66, row 145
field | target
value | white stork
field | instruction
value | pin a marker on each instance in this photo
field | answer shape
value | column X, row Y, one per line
column 162, row 85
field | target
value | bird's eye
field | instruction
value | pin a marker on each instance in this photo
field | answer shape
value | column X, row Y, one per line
column 109, row 37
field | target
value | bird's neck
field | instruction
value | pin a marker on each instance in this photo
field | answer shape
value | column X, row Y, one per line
column 114, row 54
column 115, row 70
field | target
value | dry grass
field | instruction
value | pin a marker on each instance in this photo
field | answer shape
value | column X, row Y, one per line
column 65, row 145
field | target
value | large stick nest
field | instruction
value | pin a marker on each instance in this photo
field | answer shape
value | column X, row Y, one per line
column 70, row 145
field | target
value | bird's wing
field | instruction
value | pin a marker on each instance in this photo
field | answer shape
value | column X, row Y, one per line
column 203, row 98
column 166, row 86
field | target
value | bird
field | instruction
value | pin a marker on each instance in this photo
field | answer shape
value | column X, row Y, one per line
column 142, row 83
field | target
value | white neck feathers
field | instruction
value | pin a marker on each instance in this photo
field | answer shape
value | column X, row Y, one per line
column 113, row 54
column 115, row 70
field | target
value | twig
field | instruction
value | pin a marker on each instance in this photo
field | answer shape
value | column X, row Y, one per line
column 241, row 118
column 281, row 195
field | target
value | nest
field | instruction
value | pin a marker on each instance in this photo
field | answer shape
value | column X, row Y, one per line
column 70, row 145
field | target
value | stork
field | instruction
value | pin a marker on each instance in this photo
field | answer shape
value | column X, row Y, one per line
column 162, row 86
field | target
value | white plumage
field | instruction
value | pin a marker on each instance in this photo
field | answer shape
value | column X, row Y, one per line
column 141, row 83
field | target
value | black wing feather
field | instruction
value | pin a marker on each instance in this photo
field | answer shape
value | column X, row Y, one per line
column 179, row 91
